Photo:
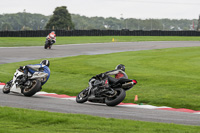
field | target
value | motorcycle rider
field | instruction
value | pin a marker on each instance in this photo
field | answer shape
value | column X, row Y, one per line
column 119, row 72
column 40, row 70
column 53, row 36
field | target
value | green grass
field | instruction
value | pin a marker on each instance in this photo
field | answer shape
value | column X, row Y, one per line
column 166, row 77
column 39, row 41
column 14, row 120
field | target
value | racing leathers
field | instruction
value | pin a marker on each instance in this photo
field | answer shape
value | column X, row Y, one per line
column 38, row 70
column 52, row 38
column 117, row 73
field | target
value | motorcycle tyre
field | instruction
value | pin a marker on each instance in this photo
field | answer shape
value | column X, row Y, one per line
column 6, row 90
column 78, row 100
column 120, row 97
column 46, row 46
column 34, row 89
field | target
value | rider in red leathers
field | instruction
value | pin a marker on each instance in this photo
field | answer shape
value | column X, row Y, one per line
column 50, row 40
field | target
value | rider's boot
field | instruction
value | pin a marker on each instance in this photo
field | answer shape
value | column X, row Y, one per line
column 25, row 78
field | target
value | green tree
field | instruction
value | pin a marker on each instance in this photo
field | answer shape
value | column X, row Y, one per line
column 61, row 20
column 6, row 26
column 26, row 28
column 16, row 21
column 28, row 21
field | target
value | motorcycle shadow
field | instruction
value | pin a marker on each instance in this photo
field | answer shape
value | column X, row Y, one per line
column 99, row 104
column 21, row 95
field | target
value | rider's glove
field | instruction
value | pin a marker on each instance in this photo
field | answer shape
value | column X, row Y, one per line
column 22, row 68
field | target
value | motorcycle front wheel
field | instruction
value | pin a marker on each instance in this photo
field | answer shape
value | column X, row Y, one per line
column 6, row 89
column 117, row 98
column 82, row 96
column 35, row 87
column 46, row 45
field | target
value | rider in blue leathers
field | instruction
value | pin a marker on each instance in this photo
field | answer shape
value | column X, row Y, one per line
column 42, row 70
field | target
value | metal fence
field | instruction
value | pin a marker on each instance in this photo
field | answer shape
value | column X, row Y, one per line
column 43, row 33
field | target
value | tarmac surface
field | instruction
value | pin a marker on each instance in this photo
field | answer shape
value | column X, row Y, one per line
column 16, row 54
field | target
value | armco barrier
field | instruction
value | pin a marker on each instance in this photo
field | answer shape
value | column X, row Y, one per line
column 43, row 33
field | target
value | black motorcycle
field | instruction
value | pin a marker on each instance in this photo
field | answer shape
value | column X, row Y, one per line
column 106, row 90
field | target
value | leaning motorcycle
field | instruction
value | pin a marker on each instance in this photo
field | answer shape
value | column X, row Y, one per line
column 106, row 90
column 28, row 85
column 49, row 42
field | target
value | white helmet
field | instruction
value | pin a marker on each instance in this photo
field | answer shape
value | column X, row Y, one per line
column 45, row 62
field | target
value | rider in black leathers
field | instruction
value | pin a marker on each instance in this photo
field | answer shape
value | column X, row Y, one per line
column 119, row 72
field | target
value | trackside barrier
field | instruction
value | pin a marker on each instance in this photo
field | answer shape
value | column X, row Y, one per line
column 43, row 33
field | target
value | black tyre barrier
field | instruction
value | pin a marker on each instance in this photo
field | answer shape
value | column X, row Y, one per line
column 44, row 33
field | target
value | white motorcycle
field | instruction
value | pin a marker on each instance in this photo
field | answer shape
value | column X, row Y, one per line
column 28, row 85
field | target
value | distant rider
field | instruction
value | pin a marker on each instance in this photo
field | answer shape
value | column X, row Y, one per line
column 52, row 36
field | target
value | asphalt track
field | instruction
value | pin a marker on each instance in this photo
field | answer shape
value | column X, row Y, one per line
column 8, row 55
column 16, row 54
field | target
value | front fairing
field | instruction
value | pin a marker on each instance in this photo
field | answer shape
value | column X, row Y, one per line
column 16, row 75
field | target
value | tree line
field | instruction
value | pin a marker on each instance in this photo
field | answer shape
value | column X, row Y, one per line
column 63, row 20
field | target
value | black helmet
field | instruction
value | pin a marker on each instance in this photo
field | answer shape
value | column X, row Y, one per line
column 45, row 62
column 121, row 67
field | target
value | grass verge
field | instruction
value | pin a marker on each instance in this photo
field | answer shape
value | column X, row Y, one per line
column 14, row 120
column 39, row 41
column 166, row 77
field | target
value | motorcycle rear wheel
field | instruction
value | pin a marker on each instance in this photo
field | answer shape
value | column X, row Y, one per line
column 82, row 96
column 33, row 89
column 118, row 98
